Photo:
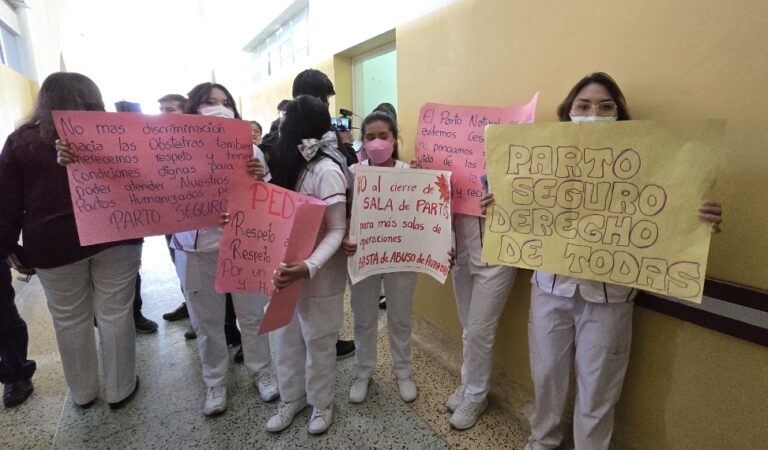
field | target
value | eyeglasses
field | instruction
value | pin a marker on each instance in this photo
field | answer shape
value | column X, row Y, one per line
column 603, row 109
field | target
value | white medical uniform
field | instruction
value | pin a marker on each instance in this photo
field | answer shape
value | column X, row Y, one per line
column 398, row 287
column 481, row 292
column 588, row 322
column 306, row 348
column 196, row 255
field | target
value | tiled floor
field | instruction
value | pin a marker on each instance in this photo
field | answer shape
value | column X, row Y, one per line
column 167, row 410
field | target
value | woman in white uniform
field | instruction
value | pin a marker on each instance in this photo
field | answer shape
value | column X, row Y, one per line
column 379, row 132
column 583, row 322
column 481, row 292
column 306, row 348
column 196, row 254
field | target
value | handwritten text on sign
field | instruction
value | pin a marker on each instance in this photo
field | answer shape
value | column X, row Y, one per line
column 451, row 138
column 262, row 219
column 143, row 175
column 268, row 225
column 607, row 202
column 401, row 221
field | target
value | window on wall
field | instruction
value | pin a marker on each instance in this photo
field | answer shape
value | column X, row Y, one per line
column 9, row 49
column 282, row 49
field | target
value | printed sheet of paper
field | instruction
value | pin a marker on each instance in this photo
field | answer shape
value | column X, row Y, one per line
column 401, row 221
column 451, row 138
column 613, row 202
column 140, row 175
column 268, row 225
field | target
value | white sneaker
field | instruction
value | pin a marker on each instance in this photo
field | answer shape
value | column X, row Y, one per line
column 407, row 389
column 267, row 386
column 215, row 400
column 286, row 411
column 321, row 419
column 455, row 399
column 359, row 390
column 467, row 414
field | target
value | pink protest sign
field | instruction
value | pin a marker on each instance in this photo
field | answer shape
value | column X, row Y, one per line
column 452, row 138
column 141, row 175
column 401, row 222
column 268, row 225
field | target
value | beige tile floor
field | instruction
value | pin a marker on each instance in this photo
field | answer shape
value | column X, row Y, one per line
column 166, row 412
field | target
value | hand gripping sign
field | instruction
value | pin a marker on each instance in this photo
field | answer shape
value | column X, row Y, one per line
column 401, row 222
column 607, row 202
column 268, row 225
column 139, row 175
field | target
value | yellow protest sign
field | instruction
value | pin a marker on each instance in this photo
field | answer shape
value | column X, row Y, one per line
column 613, row 202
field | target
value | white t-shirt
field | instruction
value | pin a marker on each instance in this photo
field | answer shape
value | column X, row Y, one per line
column 207, row 239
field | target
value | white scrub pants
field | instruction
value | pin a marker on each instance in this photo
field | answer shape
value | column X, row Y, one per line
column 102, row 285
column 398, row 288
column 481, row 292
column 306, row 347
column 207, row 309
column 597, row 336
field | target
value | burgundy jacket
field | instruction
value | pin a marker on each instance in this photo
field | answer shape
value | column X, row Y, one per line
column 35, row 200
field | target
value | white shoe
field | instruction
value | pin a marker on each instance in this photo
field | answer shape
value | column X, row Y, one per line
column 407, row 389
column 215, row 400
column 321, row 419
column 359, row 390
column 467, row 414
column 267, row 386
column 286, row 411
column 455, row 399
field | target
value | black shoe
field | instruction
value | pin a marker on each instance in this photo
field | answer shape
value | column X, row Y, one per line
column 382, row 302
column 17, row 392
column 177, row 314
column 190, row 334
column 123, row 402
column 344, row 349
column 144, row 325
column 239, row 355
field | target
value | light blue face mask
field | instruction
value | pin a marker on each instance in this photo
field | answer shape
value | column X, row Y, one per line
column 580, row 119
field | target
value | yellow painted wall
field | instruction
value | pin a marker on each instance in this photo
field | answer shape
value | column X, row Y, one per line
column 261, row 103
column 687, row 387
column 17, row 99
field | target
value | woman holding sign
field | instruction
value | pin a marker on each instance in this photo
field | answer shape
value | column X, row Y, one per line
column 585, row 322
column 196, row 254
column 306, row 348
column 379, row 132
column 79, row 282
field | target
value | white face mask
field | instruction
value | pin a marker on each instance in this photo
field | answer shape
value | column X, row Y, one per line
column 217, row 111
column 579, row 119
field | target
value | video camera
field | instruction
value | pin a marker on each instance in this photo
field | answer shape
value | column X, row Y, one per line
column 342, row 122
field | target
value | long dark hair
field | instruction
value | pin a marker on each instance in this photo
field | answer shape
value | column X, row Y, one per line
column 603, row 79
column 202, row 92
column 381, row 116
column 306, row 117
column 66, row 91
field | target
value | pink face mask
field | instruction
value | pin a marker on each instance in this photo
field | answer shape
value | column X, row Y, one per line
column 379, row 150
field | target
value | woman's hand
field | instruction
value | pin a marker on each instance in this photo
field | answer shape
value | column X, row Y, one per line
column 255, row 168
column 451, row 258
column 349, row 247
column 712, row 213
column 287, row 273
column 415, row 164
column 485, row 201
column 64, row 154
column 223, row 219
